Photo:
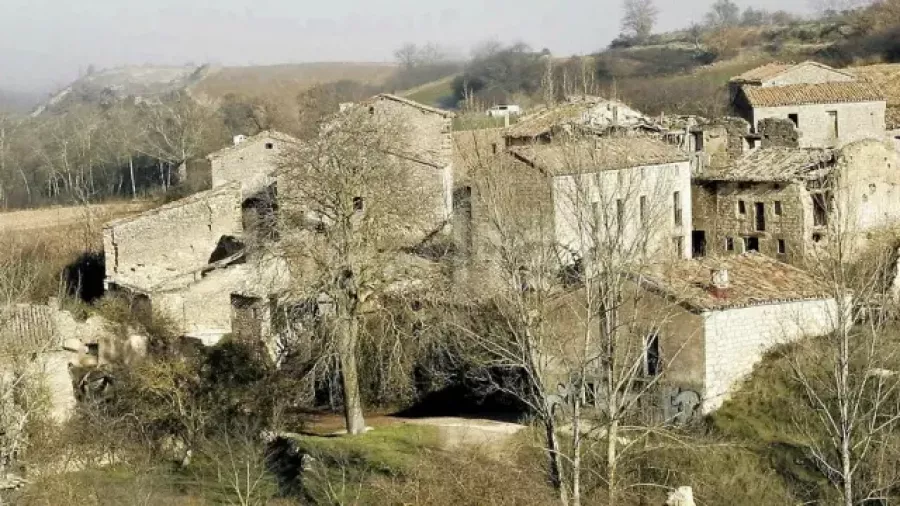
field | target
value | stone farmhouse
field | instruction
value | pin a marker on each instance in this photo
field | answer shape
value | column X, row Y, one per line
column 188, row 257
column 780, row 201
column 559, row 192
column 730, row 312
column 829, row 107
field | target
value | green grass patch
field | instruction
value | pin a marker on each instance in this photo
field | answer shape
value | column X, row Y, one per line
column 390, row 450
column 438, row 93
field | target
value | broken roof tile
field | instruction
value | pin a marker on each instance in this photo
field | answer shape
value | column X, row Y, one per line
column 773, row 164
column 754, row 280
column 605, row 153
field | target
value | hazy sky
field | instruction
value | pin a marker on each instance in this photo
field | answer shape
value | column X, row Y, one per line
column 44, row 43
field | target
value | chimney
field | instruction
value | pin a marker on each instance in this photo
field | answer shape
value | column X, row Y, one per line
column 720, row 283
column 239, row 139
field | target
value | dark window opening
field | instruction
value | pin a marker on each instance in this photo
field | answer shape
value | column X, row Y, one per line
column 93, row 349
column 358, row 203
column 817, row 237
column 760, row 209
column 371, row 109
column 795, row 118
column 698, row 243
column 269, row 145
column 751, row 244
column 678, row 214
column 742, row 207
column 698, row 141
column 820, row 209
column 833, row 124
column 652, row 356
column 494, row 148
column 782, row 247
column 777, row 206
column 729, row 244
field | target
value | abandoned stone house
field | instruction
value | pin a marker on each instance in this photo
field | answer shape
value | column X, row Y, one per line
column 730, row 312
column 779, row 201
column 430, row 150
column 631, row 193
column 187, row 258
column 699, row 326
column 829, row 107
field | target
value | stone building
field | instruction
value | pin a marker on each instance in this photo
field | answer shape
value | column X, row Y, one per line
column 829, row 107
column 253, row 161
column 731, row 312
column 779, row 201
column 430, row 152
column 558, row 192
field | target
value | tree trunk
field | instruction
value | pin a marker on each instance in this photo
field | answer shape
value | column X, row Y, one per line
column 576, row 449
column 347, row 344
column 612, row 434
column 131, row 173
column 555, row 460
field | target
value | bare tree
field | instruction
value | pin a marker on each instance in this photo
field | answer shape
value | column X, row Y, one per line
column 639, row 18
column 573, row 319
column 723, row 14
column 852, row 393
column 350, row 210
column 178, row 130
column 407, row 55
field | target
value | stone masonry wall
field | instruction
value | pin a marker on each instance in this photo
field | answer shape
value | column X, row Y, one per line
column 428, row 135
column 856, row 121
column 736, row 339
column 252, row 163
column 657, row 184
column 717, row 212
column 171, row 240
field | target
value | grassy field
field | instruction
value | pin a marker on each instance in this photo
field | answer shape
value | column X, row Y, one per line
column 61, row 217
column 436, row 93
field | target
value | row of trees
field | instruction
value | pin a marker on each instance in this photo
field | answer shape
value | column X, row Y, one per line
column 90, row 153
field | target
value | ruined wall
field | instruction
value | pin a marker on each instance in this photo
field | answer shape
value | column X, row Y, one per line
column 856, row 121
column 252, row 163
column 736, row 339
column 777, row 132
column 716, row 211
column 869, row 184
column 203, row 309
column 725, row 140
column 171, row 240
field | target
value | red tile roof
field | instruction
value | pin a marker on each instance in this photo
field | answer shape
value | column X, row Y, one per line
column 804, row 94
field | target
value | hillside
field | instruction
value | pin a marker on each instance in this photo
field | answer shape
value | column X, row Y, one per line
column 209, row 83
column 18, row 102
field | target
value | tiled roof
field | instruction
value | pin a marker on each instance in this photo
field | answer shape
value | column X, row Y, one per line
column 822, row 93
column 268, row 134
column 27, row 325
column 775, row 164
column 600, row 154
column 762, row 73
column 885, row 76
column 413, row 103
column 754, row 279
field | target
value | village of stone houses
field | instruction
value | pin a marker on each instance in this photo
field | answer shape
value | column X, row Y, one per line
column 602, row 285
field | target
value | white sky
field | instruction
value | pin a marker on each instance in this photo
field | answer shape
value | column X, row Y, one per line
column 44, row 43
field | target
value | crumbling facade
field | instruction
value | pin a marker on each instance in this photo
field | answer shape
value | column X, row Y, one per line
column 253, row 161
column 780, row 201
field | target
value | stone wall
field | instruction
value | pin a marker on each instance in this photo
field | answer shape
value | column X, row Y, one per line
column 252, row 162
column 737, row 339
column 778, row 132
column 856, row 121
column 716, row 211
column 428, row 135
column 171, row 240
column 656, row 184
column 869, row 184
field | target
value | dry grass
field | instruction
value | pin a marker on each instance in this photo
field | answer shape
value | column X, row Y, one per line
column 48, row 218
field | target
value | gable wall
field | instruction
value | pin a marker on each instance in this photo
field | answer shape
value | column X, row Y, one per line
column 249, row 163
